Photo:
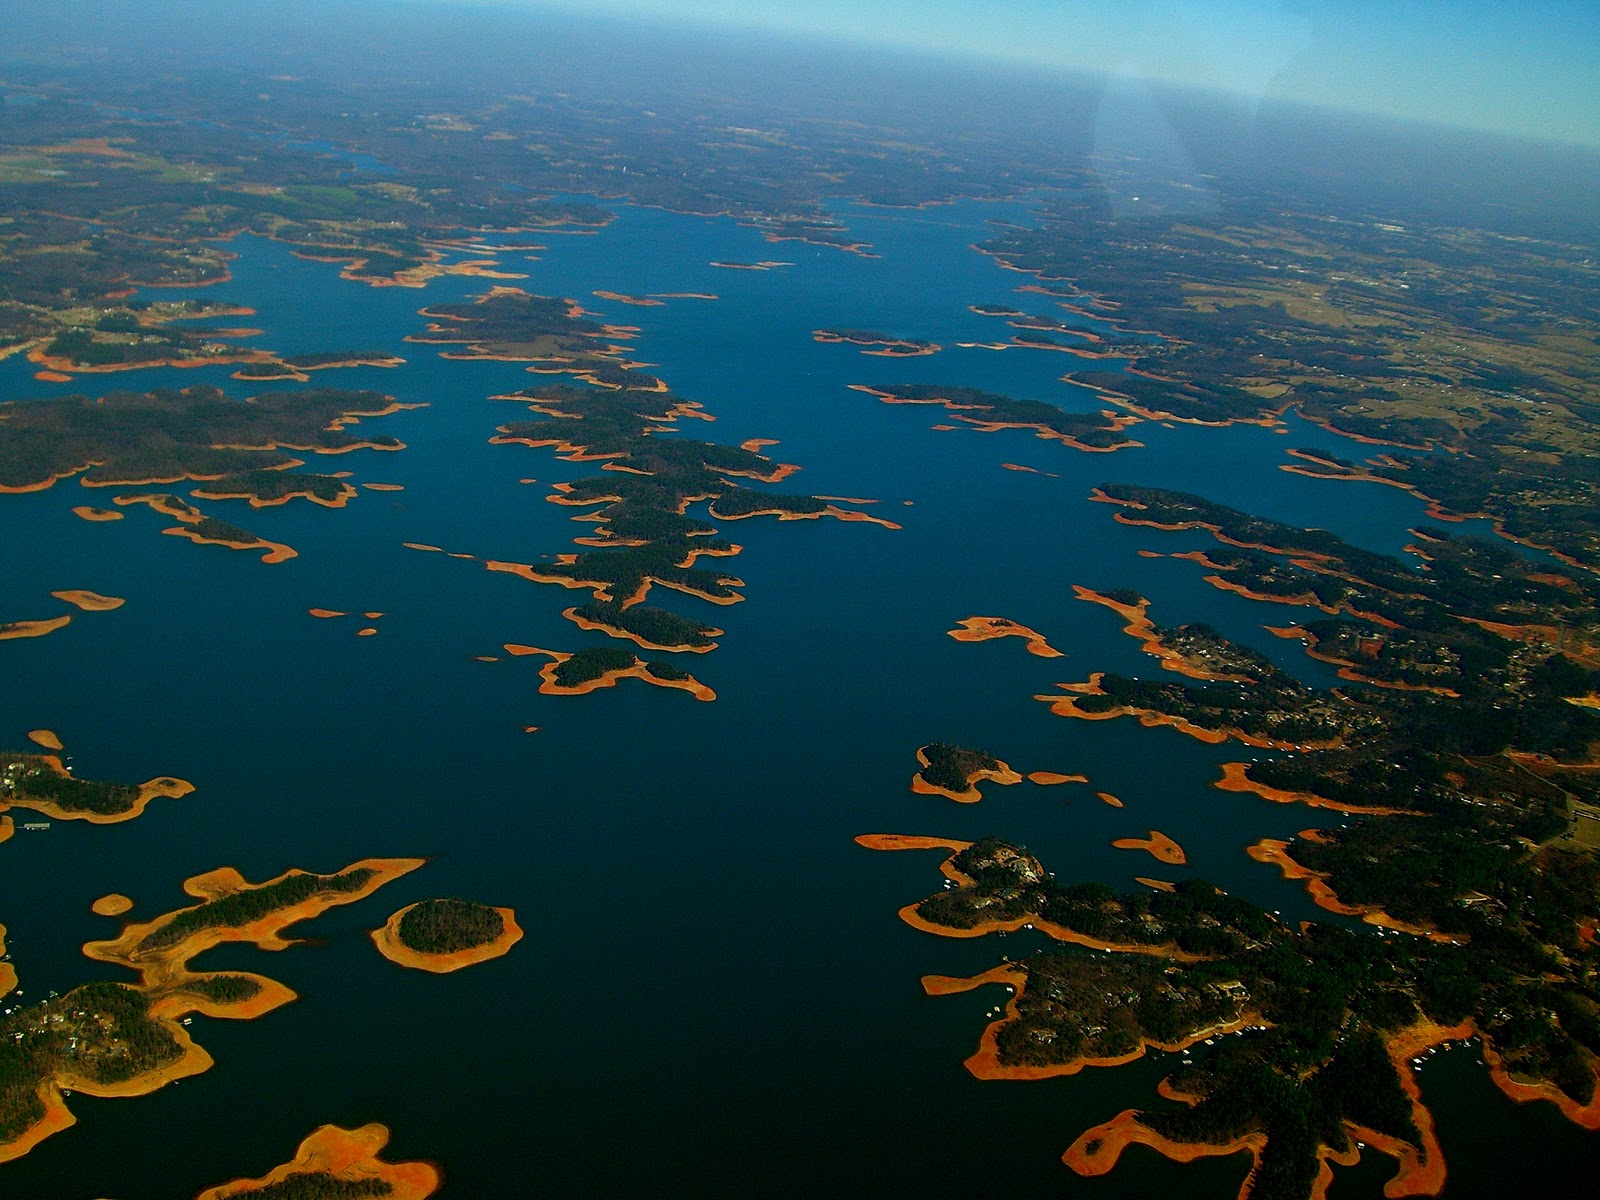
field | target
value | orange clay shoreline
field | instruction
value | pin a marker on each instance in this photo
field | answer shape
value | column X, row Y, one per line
column 584, row 623
column 1001, row 774
column 161, row 787
column 601, row 588
column 1066, row 706
column 112, row 904
column 549, row 686
column 1236, row 778
column 1158, row 845
column 910, row 915
column 165, row 976
column 89, row 601
column 986, row 629
column 31, row 629
column 8, row 973
column 1435, row 509
column 387, row 940
column 1119, row 421
column 883, row 347
column 90, row 513
column 349, row 1155
column 1141, row 627
column 984, row 1063
column 1051, row 778
column 1347, row 669
column 1276, row 853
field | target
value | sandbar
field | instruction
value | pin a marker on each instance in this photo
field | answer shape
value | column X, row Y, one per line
column 89, row 601
column 30, row 629
column 1160, row 885
column 45, row 738
column 391, row 947
column 384, row 487
column 985, row 629
column 1113, row 801
column 325, row 613
column 1158, row 844
column 350, row 1156
column 1001, row 774
column 112, row 904
column 369, row 631
column 1051, row 778
column 89, row 513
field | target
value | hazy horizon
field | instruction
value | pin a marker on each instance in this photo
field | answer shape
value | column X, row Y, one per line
column 1525, row 71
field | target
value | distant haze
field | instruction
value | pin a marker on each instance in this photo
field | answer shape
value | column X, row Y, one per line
column 1525, row 69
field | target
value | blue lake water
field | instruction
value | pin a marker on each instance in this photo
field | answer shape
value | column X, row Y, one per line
column 715, row 992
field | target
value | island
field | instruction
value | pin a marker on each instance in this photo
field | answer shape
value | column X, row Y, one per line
column 872, row 342
column 955, row 772
column 336, row 1163
column 986, row 629
column 113, row 1039
column 446, row 935
column 584, row 671
column 43, row 783
column 989, row 412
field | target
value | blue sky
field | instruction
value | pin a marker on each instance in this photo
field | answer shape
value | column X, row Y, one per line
column 1530, row 68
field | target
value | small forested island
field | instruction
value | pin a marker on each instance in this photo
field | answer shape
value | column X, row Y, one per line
column 881, row 344
column 988, row 411
column 336, row 1164
column 955, row 772
column 447, row 935
column 1314, row 1025
column 43, row 783
column 114, row 1039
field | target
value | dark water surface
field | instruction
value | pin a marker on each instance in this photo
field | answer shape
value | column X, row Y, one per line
column 715, row 994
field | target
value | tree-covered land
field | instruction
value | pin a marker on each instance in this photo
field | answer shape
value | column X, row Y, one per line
column 977, row 407
column 449, row 925
column 1330, row 999
column 25, row 777
column 949, row 767
column 169, row 434
column 657, row 626
column 246, row 905
column 101, row 1032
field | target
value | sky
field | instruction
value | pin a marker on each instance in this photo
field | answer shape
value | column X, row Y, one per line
column 1529, row 69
